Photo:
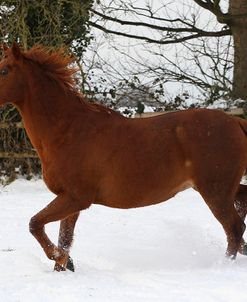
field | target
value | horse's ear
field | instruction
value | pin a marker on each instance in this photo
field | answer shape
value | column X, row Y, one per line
column 15, row 49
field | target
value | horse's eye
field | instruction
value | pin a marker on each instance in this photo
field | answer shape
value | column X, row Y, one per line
column 4, row 71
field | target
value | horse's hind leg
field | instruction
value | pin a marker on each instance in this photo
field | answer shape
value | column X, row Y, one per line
column 241, row 201
column 234, row 227
column 241, row 207
column 66, row 233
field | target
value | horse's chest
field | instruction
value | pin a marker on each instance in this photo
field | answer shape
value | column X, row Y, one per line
column 52, row 180
column 53, row 175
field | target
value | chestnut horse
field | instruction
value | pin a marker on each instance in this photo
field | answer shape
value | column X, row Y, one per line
column 93, row 155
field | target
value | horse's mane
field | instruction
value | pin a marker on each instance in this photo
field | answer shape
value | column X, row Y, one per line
column 57, row 64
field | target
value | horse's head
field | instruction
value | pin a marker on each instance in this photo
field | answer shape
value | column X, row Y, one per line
column 12, row 79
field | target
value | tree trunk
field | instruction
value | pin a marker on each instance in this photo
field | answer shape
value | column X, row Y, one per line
column 239, row 31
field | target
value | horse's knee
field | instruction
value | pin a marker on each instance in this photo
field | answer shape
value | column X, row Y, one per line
column 34, row 225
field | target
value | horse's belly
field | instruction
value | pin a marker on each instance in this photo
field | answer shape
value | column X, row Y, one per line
column 132, row 198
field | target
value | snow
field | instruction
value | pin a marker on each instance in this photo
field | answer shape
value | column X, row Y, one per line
column 171, row 252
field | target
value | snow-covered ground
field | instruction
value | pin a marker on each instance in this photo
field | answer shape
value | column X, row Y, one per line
column 172, row 252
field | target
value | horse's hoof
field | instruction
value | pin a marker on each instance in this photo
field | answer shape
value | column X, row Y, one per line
column 59, row 268
column 70, row 265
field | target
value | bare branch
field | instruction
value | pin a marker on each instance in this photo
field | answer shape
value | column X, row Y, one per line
column 163, row 42
column 190, row 28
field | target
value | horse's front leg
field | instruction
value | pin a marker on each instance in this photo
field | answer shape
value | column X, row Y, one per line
column 60, row 208
column 66, row 233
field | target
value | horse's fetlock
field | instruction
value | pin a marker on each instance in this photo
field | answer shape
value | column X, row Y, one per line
column 56, row 254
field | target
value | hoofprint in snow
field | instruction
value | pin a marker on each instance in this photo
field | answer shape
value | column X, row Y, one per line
column 173, row 251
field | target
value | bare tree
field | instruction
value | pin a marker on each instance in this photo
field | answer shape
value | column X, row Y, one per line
column 217, row 48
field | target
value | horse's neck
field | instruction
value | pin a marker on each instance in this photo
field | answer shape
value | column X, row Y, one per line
column 48, row 114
